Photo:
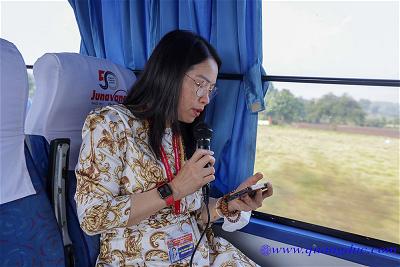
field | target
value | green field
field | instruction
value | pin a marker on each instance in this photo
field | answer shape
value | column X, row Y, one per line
column 339, row 180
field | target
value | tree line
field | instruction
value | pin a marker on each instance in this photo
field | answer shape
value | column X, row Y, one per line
column 285, row 108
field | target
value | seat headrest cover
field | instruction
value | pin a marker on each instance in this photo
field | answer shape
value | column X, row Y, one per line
column 15, row 181
column 68, row 87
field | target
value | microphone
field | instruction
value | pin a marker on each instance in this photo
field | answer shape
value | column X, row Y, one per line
column 202, row 134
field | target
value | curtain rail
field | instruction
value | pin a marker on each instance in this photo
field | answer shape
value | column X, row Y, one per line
column 321, row 80
column 326, row 80
column 302, row 79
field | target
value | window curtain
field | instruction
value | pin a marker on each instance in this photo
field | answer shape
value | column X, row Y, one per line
column 126, row 32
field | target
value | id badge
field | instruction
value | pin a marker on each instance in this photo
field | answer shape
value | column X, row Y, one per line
column 180, row 243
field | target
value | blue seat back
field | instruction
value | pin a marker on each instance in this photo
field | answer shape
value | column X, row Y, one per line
column 29, row 234
column 89, row 246
column 68, row 87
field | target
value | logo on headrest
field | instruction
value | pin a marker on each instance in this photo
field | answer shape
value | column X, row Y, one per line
column 109, row 80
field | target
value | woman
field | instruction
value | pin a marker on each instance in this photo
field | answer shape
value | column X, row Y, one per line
column 140, row 176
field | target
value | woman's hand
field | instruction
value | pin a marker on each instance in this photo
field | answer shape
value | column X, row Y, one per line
column 193, row 175
column 246, row 203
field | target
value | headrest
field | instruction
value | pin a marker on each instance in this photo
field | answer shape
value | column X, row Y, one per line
column 68, row 87
column 15, row 181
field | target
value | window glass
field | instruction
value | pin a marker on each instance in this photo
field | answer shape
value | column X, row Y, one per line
column 332, row 155
column 32, row 87
column 39, row 27
column 357, row 39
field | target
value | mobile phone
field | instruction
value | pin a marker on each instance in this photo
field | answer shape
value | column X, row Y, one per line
column 250, row 190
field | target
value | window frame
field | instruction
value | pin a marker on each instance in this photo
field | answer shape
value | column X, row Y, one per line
column 360, row 239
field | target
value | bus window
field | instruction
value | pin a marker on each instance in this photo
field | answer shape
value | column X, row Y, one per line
column 39, row 27
column 332, row 151
column 36, row 28
column 331, row 39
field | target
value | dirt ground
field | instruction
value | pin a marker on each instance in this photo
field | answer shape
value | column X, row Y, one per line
column 388, row 132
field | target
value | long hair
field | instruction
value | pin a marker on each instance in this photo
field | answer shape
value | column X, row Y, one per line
column 155, row 95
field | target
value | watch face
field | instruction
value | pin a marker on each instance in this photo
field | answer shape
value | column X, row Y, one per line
column 164, row 191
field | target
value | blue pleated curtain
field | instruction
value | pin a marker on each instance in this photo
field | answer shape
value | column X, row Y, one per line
column 126, row 32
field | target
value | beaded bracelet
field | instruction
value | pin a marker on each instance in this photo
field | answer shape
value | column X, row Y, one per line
column 234, row 220
column 222, row 205
column 217, row 208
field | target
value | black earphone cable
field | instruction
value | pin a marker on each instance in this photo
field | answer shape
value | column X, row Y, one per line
column 206, row 201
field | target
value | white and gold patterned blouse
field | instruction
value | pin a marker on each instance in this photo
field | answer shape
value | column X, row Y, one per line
column 116, row 161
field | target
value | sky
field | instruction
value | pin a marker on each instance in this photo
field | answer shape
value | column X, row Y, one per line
column 316, row 38
column 348, row 39
column 38, row 27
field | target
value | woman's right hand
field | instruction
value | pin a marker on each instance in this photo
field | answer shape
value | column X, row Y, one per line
column 193, row 174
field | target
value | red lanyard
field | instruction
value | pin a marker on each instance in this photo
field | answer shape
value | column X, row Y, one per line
column 170, row 176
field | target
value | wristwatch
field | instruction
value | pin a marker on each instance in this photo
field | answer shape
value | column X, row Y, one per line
column 166, row 193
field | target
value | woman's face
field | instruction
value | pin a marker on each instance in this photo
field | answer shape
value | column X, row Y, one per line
column 190, row 105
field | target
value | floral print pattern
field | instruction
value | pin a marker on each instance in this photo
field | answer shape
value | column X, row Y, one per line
column 116, row 161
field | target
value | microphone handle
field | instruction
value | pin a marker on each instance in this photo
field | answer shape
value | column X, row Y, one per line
column 205, row 144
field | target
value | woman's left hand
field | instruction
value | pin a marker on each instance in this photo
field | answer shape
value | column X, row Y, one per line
column 246, row 203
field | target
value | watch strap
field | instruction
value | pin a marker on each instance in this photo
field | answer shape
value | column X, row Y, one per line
column 170, row 200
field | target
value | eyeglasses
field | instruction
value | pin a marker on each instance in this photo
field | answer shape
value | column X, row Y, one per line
column 204, row 88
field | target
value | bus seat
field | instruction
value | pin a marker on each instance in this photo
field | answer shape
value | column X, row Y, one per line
column 29, row 233
column 68, row 87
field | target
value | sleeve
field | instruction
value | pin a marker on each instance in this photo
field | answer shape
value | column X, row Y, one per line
column 242, row 222
column 227, row 225
column 100, row 206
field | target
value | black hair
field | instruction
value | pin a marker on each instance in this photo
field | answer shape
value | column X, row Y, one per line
column 155, row 95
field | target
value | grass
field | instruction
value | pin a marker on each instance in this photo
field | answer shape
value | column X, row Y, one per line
column 339, row 180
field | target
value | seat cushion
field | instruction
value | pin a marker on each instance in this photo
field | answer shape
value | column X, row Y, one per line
column 29, row 233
